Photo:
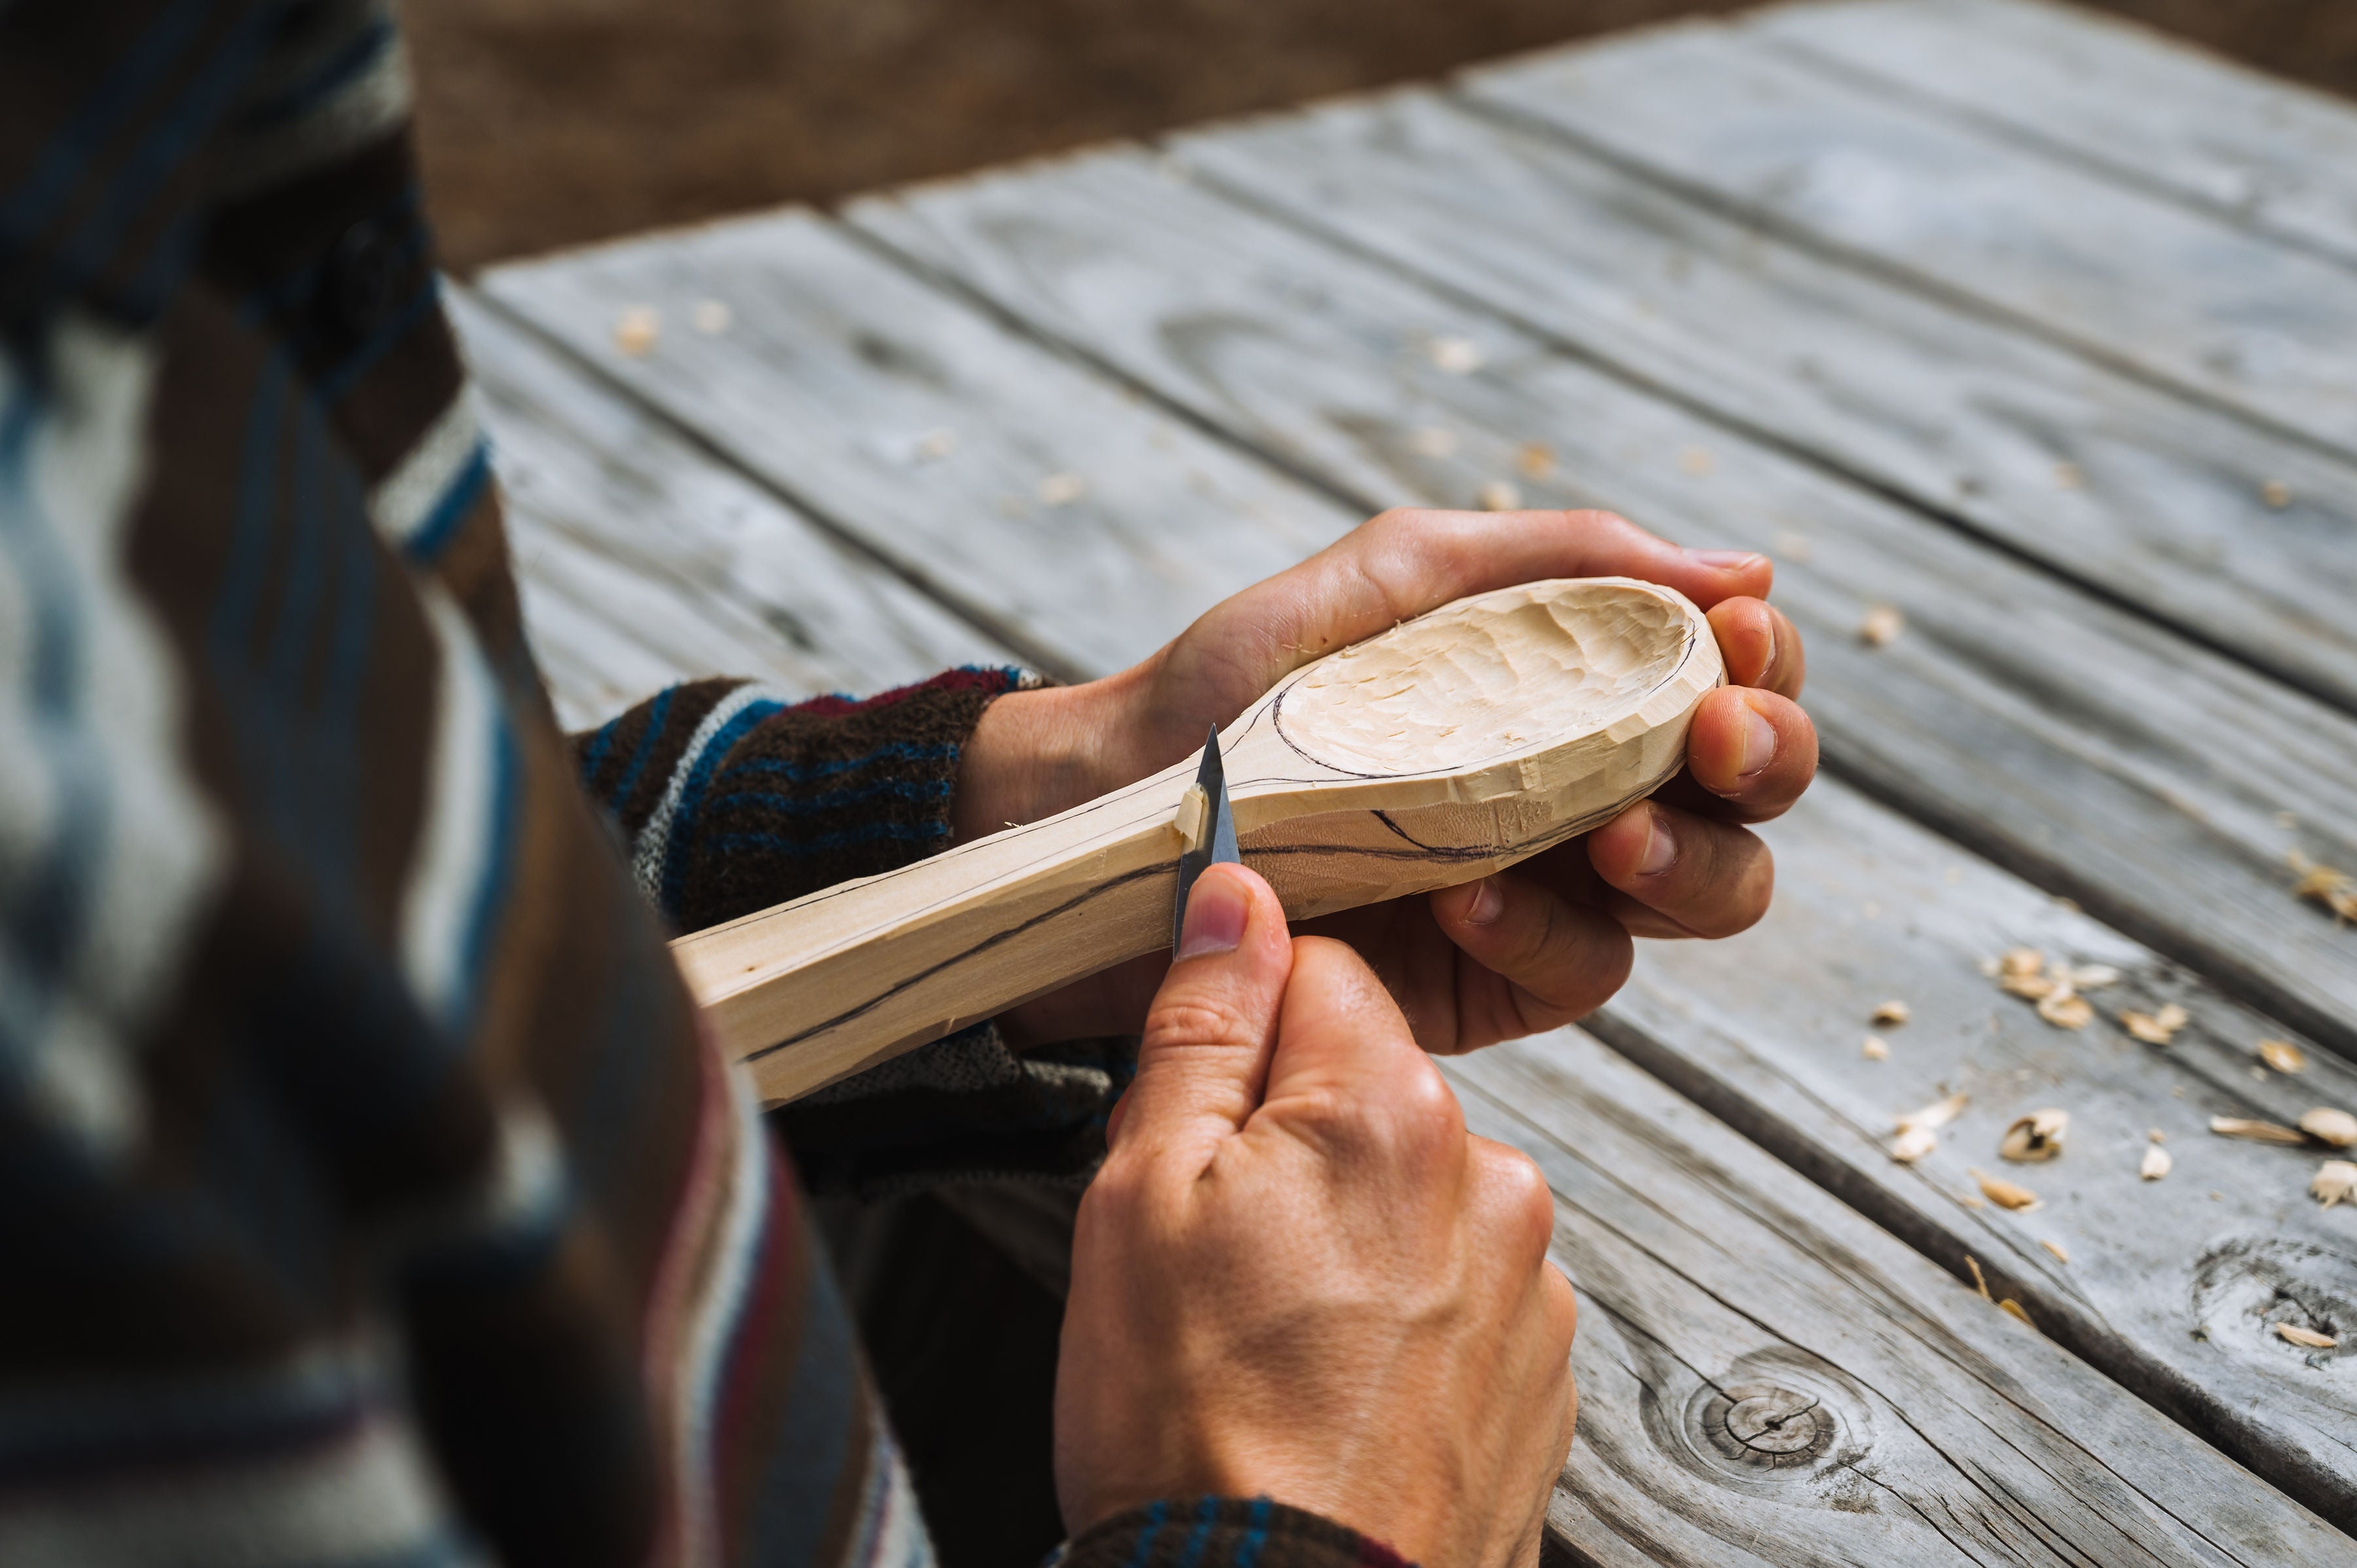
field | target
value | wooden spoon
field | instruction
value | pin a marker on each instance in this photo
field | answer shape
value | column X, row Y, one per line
column 1444, row 749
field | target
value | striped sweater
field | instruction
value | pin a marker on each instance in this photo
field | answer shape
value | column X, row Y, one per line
column 367, row 1193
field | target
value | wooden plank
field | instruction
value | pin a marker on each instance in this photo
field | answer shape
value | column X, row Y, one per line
column 2127, row 277
column 2270, row 155
column 2173, row 1286
column 2101, row 756
column 644, row 562
column 1057, row 512
column 1768, row 1379
column 2168, row 506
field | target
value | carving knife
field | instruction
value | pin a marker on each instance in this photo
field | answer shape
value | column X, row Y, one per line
column 1211, row 838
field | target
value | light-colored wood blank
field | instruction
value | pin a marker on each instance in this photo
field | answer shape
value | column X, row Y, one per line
column 1446, row 748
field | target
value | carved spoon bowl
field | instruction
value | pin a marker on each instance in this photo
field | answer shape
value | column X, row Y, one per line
column 1447, row 747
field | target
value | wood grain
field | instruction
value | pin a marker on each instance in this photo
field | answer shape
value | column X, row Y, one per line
column 2129, row 278
column 2171, row 1287
column 2241, row 539
column 642, row 562
column 1446, row 748
column 1768, row 1379
column 1071, row 522
column 2102, row 756
column 2268, row 155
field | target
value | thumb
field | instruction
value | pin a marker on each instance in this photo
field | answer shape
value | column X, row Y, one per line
column 1213, row 1025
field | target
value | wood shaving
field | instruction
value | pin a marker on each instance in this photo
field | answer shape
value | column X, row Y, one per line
column 2158, row 1136
column 636, row 330
column 2005, row 1194
column 711, row 317
column 2283, row 1056
column 1875, row 1049
column 936, row 445
column 2013, row 1309
column 2335, row 1182
column 1696, row 460
column 2066, row 1009
column 1455, row 356
column 1913, row 1143
column 2336, row 890
column 2327, row 1125
column 1980, row 1280
column 1881, row 626
column 2254, row 1131
column 1891, row 1014
column 1535, row 459
column 2069, row 476
column 2276, row 494
column 1433, row 441
column 2306, row 1338
column 1062, row 489
column 1498, row 495
column 2156, row 1163
column 2056, row 1248
column 2037, row 1136
column 1938, row 1113
column 2029, row 987
column 2020, row 962
column 2156, row 1028
column 1973, row 1200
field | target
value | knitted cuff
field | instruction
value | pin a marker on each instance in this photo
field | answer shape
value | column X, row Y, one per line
column 731, row 798
column 1222, row 1532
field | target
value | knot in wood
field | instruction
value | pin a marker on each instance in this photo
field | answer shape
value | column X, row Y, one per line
column 1766, row 1426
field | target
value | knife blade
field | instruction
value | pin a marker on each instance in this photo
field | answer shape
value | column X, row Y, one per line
column 1214, row 843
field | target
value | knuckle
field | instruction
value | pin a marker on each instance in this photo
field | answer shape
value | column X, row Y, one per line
column 1177, row 1022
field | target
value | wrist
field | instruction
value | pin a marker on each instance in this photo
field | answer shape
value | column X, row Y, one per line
column 1036, row 752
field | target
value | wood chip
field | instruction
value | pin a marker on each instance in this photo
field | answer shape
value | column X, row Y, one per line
column 2031, row 987
column 1891, row 1014
column 1875, row 1049
column 1980, row 1280
column 1062, row 489
column 1433, row 441
column 2156, row 1163
column 1938, row 1113
column 2306, row 1338
column 2056, row 1248
column 2336, row 890
column 2158, row 1136
column 2283, row 1056
column 2156, row 1028
column 2068, row 476
column 1913, row 1143
column 1881, row 626
column 2095, row 977
column 2256, row 1131
column 1498, row 495
column 2005, row 1194
column 2037, row 1136
column 2012, row 1309
column 2276, row 494
column 2066, row 1009
column 1697, row 461
column 934, row 445
column 2328, row 1125
column 1455, row 356
column 1535, row 459
column 2020, row 962
column 2335, row 1182
column 636, row 330
column 710, row 317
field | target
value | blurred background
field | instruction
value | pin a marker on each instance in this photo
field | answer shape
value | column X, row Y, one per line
column 552, row 123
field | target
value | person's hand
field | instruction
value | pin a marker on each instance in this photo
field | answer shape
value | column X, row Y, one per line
column 1298, row 1276
column 1525, row 951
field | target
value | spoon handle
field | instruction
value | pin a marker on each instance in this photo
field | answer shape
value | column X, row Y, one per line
column 816, row 990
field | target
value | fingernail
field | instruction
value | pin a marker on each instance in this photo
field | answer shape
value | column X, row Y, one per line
column 1217, row 912
column 1661, row 848
column 1488, row 902
column 1724, row 560
column 1758, row 744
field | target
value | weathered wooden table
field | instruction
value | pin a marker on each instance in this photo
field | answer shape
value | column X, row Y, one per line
column 2037, row 329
